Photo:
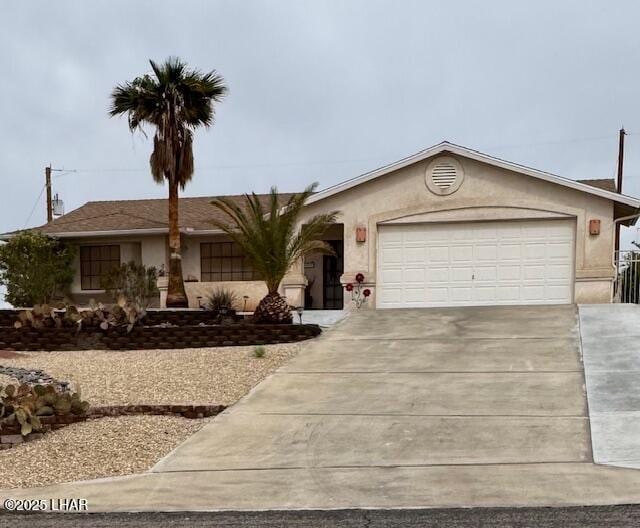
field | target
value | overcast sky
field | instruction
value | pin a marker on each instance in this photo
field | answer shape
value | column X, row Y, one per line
column 318, row 90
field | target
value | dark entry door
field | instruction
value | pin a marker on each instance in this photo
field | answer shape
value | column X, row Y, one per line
column 332, row 269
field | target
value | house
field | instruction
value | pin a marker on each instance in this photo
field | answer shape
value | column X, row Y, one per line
column 447, row 226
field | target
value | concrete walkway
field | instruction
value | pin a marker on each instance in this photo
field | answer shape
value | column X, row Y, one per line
column 611, row 348
column 429, row 408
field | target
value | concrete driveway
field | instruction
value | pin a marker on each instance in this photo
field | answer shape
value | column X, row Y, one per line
column 611, row 349
column 397, row 408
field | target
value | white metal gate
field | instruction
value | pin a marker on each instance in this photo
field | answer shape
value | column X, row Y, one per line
column 626, row 285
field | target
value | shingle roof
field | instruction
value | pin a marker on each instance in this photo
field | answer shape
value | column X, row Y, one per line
column 195, row 213
column 608, row 184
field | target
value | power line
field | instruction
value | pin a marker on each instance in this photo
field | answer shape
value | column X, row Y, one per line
column 34, row 206
column 247, row 166
column 556, row 142
column 64, row 172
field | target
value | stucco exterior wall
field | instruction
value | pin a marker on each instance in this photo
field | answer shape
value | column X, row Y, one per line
column 130, row 250
column 487, row 193
column 254, row 290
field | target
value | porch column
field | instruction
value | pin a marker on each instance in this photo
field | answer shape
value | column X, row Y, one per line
column 358, row 248
column 294, row 284
column 163, row 286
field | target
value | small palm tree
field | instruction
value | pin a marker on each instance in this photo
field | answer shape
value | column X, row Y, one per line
column 273, row 243
column 176, row 101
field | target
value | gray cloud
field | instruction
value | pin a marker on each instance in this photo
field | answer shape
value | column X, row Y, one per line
column 319, row 90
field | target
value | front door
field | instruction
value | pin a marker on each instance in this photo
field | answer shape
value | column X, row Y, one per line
column 332, row 269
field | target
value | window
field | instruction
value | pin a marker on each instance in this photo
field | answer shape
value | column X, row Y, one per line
column 96, row 261
column 224, row 261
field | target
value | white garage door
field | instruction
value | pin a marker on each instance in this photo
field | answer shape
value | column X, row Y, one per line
column 475, row 263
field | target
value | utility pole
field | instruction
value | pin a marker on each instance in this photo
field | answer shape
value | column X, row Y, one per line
column 619, row 184
column 47, row 173
column 620, row 160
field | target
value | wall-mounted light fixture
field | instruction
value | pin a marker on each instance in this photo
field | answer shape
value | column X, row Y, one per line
column 594, row 227
column 361, row 234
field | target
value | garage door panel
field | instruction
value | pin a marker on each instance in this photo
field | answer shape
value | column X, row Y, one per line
column 391, row 296
column 438, row 254
column 436, row 275
column 558, row 250
column 414, row 254
column 559, row 271
column 414, row 275
column 558, row 292
column 534, row 272
column 414, row 295
column 509, row 252
column 484, row 293
column 461, row 274
column 535, row 251
column 458, row 294
column 509, row 273
column 437, row 295
column 390, row 276
column 533, row 292
column 508, row 293
column 392, row 255
column 514, row 262
column 485, row 273
column 461, row 253
column 486, row 252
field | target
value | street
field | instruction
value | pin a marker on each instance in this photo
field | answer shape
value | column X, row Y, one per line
column 593, row 516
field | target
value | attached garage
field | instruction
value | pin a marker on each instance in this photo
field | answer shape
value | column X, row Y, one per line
column 476, row 263
column 451, row 226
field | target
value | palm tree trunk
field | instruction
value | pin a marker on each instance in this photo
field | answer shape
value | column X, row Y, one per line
column 176, row 294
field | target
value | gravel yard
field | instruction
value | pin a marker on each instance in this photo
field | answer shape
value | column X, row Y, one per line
column 93, row 449
column 187, row 376
column 130, row 444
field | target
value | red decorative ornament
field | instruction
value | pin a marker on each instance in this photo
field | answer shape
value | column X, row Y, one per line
column 359, row 295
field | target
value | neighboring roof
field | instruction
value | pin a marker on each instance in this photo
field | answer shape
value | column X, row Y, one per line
column 445, row 146
column 140, row 216
column 608, row 184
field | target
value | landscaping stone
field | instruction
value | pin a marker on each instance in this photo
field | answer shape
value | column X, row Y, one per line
column 10, row 434
column 153, row 337
column 34, row 377
column 11, row 439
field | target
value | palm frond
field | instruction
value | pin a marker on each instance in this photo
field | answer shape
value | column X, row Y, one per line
column 175, row 100
column 269, row 236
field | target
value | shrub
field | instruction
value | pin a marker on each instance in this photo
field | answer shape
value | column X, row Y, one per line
column 34, row 268
column 41, row 316
column 259, row 351
column 136, row 282
column 221, row 298
column 121, row 315
column 25, row 404
column 124, row 314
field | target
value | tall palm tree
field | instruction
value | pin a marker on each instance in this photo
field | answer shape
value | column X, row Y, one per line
column 175, row 100
column 272, row 242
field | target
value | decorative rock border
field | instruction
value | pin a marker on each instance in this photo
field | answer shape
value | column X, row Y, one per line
column 154, row 317
column 34, row 377
column 10, row 434
column 153, row 337
column 8, row 317
column 186, row 411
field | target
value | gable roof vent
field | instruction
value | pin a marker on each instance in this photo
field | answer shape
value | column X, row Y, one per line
column 444, row 175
